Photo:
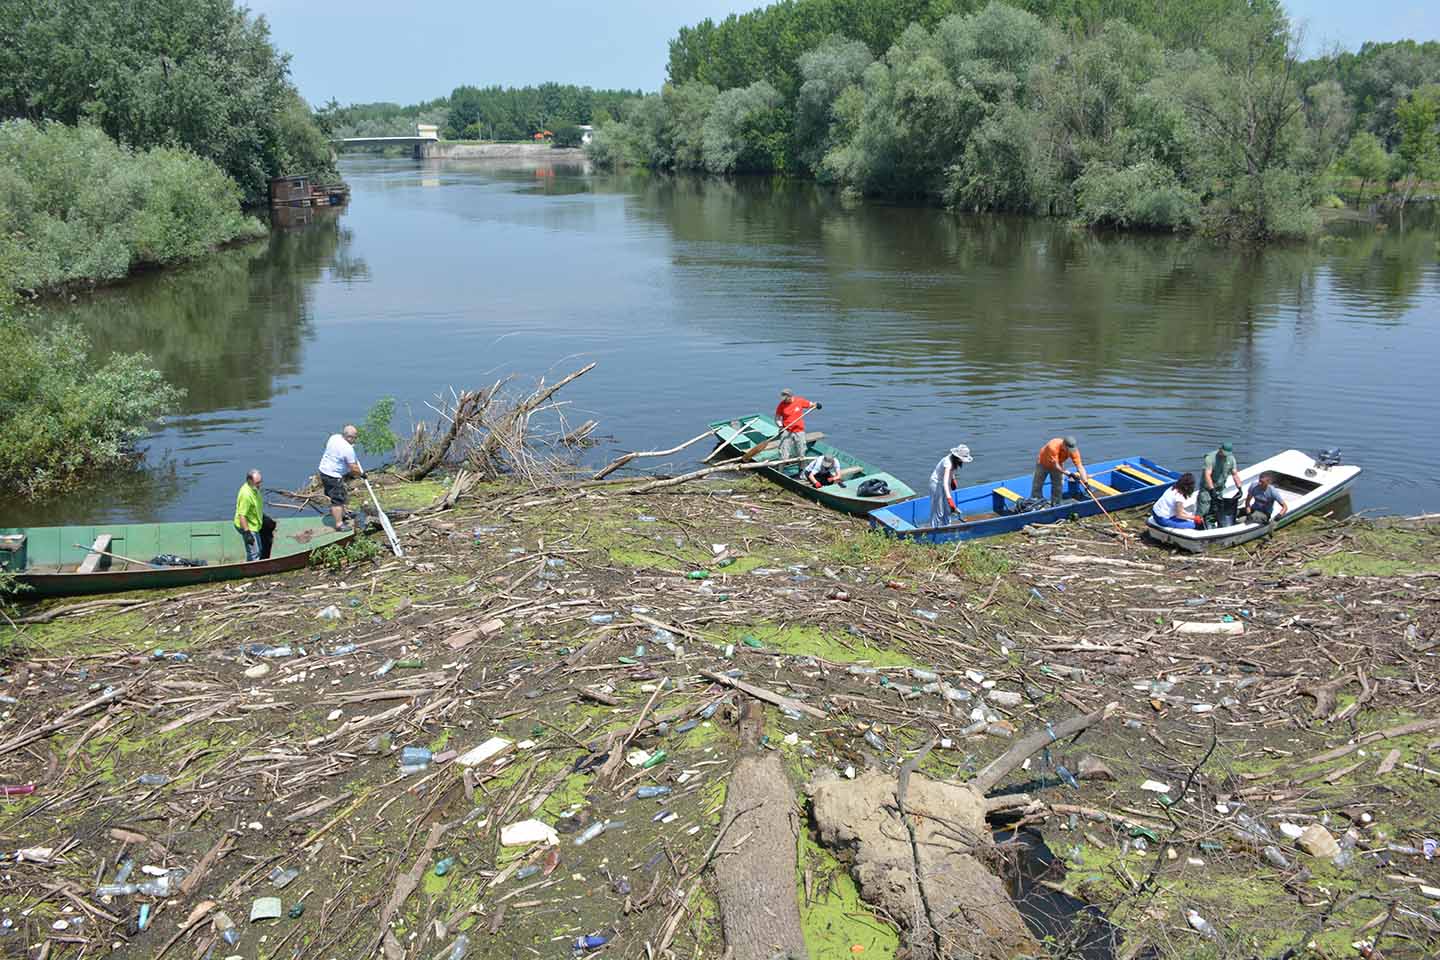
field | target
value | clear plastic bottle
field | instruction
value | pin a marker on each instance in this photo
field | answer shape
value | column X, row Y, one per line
column 460, row 948
column 414, row 755
column 1200, row 925
column 1346, row 856
column 115, row 889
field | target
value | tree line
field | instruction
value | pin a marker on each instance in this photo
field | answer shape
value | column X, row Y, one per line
column 482, row 113
column 1122, row 113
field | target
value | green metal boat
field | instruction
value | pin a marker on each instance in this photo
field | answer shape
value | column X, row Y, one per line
column 103, row 558
column 745, row 433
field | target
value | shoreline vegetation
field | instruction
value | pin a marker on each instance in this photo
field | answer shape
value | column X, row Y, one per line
column 1146, row 118
column 132, row 135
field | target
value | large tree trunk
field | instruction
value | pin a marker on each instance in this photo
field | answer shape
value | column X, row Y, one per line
column 755, row 884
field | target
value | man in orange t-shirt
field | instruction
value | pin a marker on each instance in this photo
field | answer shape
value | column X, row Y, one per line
column 1049, row 464
column 790, row 417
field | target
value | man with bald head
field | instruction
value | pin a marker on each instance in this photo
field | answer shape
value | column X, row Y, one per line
column 336, row 466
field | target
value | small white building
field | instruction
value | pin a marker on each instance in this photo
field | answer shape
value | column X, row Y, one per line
column 587, row 132
column 427, row 131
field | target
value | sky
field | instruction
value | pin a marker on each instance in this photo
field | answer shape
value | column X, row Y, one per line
column 364, row 50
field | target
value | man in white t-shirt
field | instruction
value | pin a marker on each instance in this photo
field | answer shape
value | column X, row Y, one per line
column 336, row 465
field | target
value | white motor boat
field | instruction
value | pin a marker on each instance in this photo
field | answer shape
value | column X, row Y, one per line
column 1304, row 483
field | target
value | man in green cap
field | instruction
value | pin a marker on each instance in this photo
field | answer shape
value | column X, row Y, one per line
column 1220, row 469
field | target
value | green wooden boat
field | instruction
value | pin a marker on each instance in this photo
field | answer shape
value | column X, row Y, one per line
column 61, row 561
column 746, row 432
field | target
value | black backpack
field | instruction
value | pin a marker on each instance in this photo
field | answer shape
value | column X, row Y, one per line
column 874, row 487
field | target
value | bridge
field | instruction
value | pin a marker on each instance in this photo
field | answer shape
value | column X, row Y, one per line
column 426, row 136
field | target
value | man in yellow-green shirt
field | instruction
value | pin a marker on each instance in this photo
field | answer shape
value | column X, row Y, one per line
column 249, row 514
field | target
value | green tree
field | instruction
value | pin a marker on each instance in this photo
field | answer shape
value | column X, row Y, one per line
column 1419, row 150
column 1246, row 104
column 744, row 130
column 567, row 135
column 1365, row 158
column 826, row 73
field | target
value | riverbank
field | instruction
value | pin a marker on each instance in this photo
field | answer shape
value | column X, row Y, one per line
column 569, row 624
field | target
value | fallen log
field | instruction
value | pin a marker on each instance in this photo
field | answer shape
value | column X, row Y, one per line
column 619, row 462
column 706, row 471
column 755, row 876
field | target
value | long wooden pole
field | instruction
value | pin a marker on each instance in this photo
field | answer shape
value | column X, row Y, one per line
column 384, row 520
column 1124, row 537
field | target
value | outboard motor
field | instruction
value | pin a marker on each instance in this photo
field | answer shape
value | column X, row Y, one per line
column 1329, row 457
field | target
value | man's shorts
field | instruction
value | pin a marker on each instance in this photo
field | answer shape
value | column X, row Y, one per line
column 335, row 490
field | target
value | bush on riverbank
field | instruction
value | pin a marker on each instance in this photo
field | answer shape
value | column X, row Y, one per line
column 61, row 415
column 80, row 207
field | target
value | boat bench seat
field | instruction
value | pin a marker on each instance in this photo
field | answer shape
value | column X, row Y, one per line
column 1148, row 479
column 1104, row 490
column 1005, row 499
column 93, row 559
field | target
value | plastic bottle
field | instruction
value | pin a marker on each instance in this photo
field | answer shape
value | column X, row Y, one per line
column 385, row 668
column 154, row 779
column 590, row 833
column 600, row 619
column 115, row 889
column 1275, row 857
column 924, row 676
column 649, row 793
column 1200, row 925
column 460, row 948
column 698, row 575
column 873, row 738
column 161, row 886
column 859, row 671
column 223, row 925
column 527, row 871
column 926, row 614
column 414, row 755
column 443, row 867
column 343, row 649
column 1346, row 856
column 593, row 941
column 409, row 769
column 123, row 870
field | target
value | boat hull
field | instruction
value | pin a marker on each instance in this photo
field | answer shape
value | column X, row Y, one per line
column 1135, row 481
column 1303, row 494
column 51, row 550
column 744, row 433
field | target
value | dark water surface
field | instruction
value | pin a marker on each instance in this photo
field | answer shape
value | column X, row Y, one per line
column 917, row 328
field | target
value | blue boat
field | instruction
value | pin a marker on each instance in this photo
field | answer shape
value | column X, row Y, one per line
column 994, row 508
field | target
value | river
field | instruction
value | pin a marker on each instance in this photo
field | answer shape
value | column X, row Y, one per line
column 699, row 299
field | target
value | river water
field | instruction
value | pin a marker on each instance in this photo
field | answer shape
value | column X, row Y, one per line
column 699, row 299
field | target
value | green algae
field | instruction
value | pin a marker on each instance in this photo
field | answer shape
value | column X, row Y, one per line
column 411, row 495
column 834, row 646
column 1382, row 550
column 836, row 920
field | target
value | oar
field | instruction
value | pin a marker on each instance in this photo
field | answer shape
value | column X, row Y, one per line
column 114, row 556
column 384, row 520
column 1124, row 536
column 755, row 451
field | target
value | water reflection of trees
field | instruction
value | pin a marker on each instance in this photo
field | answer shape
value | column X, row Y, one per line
column 929, row 289
column 226, row 327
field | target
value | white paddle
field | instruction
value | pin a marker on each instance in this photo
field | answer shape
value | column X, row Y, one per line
column 384, row 520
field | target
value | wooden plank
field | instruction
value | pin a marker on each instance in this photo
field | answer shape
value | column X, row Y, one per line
column 1008, row 494
column 1106, row 490
column 1140, row 475
column 92, row 559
